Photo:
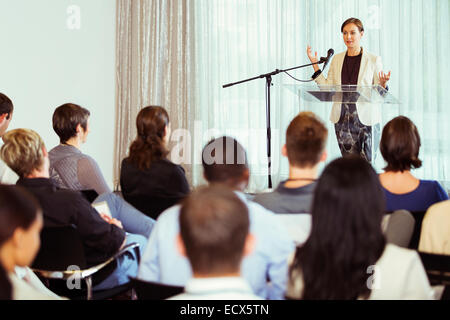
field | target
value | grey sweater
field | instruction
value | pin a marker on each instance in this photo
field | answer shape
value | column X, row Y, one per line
column 71, row 169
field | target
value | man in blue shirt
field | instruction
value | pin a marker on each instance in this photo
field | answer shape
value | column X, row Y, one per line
column 266, row 269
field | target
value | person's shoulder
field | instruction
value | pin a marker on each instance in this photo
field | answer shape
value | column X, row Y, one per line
column 438, row 209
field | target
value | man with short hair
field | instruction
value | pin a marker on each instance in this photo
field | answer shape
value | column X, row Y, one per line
column 265, row 269
column 7, row 176
column 214, row 236
column 24, row 151
column 306, row 139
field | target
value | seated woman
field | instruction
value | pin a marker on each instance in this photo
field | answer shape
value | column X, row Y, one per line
column 149, row 181
column 71, row 169
column 346, row 255
column 21, row 222
column 399, row 146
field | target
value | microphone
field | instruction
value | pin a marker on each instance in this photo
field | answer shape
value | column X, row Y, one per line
column 327, row 59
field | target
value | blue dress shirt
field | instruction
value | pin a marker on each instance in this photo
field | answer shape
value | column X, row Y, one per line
column 265, row 269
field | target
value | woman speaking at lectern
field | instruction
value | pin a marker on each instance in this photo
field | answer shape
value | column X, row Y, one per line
column 353, row 122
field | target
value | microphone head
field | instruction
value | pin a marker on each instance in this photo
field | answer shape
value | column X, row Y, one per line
column 330, row 52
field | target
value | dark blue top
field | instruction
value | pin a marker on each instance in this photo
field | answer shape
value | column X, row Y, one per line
column 426, row 194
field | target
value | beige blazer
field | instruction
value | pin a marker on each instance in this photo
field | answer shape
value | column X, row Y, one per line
column 368, row 113
column 435, row 235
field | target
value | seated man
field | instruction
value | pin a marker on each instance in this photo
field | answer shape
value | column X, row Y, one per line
column 265, row 269
column 214, row 236
column 25, row 153
column 306, row 139
column 7, row 176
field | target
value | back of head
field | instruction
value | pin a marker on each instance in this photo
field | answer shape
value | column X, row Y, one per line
column 224, row 161
column 400, row 144
column 148, row 147
column 18, row 209
column 66, row 118
column 214, row 224
column 306, row 139
column 6, row 105
column 346, row 236
column 23, row 151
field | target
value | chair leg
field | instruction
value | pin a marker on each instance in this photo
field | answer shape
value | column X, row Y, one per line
column 89, row 287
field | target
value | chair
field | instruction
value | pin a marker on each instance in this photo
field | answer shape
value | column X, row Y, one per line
column 62, row 257
column 152, row 206
column 298, row 225
column 438, row 271
column 399, row 227
column 154, row 291
column 89, row 195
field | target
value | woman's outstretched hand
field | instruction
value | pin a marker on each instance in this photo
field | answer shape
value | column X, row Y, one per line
column 312, row 58
column 384, row 78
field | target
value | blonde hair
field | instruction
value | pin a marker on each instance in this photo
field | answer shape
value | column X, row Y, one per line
column 23, row 151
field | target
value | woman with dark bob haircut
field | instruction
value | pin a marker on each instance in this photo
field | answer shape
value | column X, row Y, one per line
column 346, row 255
column 149, row 181
column 400, row 144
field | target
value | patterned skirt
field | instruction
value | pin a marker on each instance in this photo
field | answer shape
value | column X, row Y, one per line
column 353, row 137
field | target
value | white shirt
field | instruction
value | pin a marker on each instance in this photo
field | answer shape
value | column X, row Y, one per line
column 397, row 275
column 222, row 288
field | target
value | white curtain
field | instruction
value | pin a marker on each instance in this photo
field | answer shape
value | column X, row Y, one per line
column 180, row 53
column 240, row 39
column 155, row 66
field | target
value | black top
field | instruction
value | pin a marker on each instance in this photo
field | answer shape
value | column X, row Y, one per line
column 66, row 207
column 155, row 189
column 350, row 69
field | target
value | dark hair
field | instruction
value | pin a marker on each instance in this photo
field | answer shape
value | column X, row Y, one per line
column 214, row 224
column 224, row 160
column 5, row 285
column 66, row 118
column 400, row 144
column 148, row 147
column 306, row 138
column 346, row 236
column 356, row 21
column 18, row 209
column 6, row 105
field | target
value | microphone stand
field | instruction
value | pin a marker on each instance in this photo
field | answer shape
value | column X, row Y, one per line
column 268, row 77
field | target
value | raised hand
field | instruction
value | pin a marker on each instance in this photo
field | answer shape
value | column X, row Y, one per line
column 384, row 78
column 310, row 56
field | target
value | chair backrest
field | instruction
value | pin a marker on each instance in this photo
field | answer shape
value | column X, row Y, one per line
column 154, row 291
column 61, row 247
column 90, row 195
column 437, row 267
column 152, row 206
column 298, row 225
column 415, row 238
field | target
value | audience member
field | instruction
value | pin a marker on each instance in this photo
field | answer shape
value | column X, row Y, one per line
column 150, row 181
column 435, row 234
column 346, row 255
column 7, row 176
column 214, row 236
column 25, row 152
column 306, row 139
column 399, row 146
column 20, row 226
column 71, row 169
column 225, row 163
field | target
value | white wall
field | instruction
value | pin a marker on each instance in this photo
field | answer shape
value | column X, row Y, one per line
column 44, row 63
